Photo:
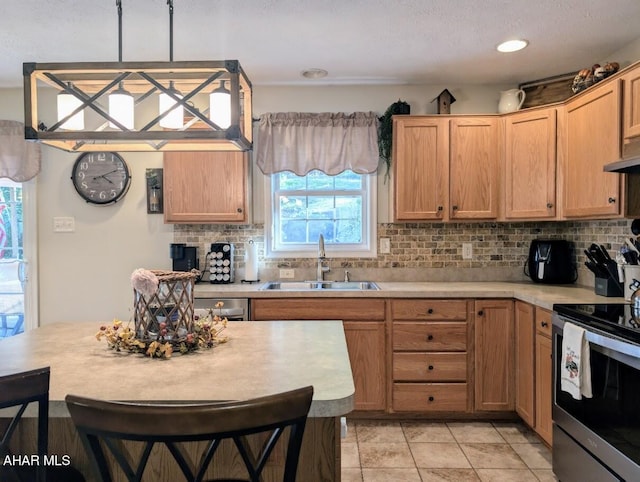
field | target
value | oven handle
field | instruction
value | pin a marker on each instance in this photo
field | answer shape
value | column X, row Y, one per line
column 627, row 353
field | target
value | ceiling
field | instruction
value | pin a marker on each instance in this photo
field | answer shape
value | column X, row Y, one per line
column 357, row 41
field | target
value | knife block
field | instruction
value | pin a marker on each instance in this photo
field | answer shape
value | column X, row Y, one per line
column 608, row 287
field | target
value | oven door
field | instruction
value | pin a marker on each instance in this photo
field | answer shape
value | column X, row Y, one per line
column 607, row 425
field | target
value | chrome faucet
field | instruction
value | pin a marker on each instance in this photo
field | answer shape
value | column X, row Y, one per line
column 321, row 257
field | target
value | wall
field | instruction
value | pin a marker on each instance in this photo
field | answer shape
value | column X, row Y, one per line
column 85, row 275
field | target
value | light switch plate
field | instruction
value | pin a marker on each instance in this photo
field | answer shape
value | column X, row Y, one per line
column 287, row 273
column 385, row 245
column 64, row 224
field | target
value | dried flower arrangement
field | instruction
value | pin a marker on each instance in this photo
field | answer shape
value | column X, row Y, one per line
column 164, row 319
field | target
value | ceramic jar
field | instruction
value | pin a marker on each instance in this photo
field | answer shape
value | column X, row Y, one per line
column 511, row 100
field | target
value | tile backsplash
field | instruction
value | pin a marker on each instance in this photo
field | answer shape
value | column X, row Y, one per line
column 425, row 251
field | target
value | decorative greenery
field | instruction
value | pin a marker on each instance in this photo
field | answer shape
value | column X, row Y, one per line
column 385, row 132
column 205, row 335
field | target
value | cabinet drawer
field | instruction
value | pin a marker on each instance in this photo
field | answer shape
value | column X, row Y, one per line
column 430, row 367
column 441, row 310
column 318, row 309
column 543, row 321
column 420, row 397
column 432, row 336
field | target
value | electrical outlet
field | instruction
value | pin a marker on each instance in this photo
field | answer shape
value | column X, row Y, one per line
column 385, row 245
column 64, row 224
column 287, row 273
column 467, row 251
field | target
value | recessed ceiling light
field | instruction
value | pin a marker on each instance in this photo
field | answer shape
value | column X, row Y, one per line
column 512, row 45
column 314, row 73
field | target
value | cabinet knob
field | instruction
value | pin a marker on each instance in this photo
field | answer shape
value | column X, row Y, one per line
column 549, row 205
column 430, row 367
column 544, row 324
column 612, row 200
column 239, row 210
column 431, row 399
column 480, row 313
column 454, row 207
column 429, row 337
column 430, row 311
column 440, row 208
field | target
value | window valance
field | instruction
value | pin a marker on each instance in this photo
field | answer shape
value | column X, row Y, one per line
column 329, row 142
column 19, row 159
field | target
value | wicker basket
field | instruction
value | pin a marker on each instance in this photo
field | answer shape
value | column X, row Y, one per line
column 168, row 314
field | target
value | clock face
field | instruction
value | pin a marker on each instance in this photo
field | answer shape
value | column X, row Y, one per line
column 101, row 177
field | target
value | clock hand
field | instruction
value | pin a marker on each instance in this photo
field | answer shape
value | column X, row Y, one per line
column 105, row 174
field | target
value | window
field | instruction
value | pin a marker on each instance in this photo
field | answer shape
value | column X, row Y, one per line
column 341, row 207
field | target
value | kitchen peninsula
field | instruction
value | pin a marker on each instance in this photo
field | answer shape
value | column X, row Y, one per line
column 258, row 359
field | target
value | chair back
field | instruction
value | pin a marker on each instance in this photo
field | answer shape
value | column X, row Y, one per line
column 106, row 424
column 19, row 390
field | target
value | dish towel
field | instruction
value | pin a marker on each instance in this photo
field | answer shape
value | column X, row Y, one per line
column 576, row 366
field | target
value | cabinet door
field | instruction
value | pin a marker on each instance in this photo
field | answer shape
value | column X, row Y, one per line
column 420, row 160
column 366, row 346
column 494, row 358
column 590, row 138
column 632, row 104
column 544, row 388
column 525, row 346
column 205, row 187
column 474, row 166
column 530, row 165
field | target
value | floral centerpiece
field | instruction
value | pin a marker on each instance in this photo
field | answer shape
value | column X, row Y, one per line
column 164, row 319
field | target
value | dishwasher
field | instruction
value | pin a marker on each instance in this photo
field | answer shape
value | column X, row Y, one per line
column 234, row 309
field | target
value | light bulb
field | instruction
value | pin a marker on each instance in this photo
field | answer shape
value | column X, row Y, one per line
column 67, row 103
column 220, row 106
column 121, row 108
column 175, row 118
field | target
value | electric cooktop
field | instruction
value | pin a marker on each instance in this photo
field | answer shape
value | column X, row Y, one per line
column 616, row 320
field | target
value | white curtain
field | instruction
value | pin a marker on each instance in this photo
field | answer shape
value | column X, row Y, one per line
column 329, row 142
column 19, row 159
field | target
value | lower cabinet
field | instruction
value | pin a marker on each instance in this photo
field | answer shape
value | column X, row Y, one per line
column 364, row 328
column 430, row 366
column 524, row 315
column 544, row 371
column 494, row 355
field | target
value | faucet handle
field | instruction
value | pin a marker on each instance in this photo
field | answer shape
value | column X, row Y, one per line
column 346, row 275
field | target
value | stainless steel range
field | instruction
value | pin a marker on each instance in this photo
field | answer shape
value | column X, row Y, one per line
column 598, row 438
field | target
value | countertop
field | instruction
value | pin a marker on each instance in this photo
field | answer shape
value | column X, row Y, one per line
column 258, row 359
column 537, row 294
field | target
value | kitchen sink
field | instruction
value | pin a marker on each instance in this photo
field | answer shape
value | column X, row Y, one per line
column 320, row 285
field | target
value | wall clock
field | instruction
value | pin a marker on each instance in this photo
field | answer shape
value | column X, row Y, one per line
column 101, row 177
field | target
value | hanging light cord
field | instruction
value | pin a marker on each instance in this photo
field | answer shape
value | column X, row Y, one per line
column 119, row 5
column 170, row 3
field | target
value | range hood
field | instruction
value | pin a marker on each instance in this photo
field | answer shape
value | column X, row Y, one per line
column 630, row 161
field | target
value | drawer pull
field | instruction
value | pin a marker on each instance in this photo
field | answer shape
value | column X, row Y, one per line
column 430, row 367
column 431, row 399
column 429, row 337
column 430, row 311
column 544, row 324
column 480, row 313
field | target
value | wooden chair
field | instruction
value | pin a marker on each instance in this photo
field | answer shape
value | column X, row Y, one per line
column 107, row 424
column 19, row 390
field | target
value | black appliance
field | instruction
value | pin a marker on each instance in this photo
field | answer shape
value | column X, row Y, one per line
column 185, row 258
column 551, row 261
column 220, row 259
column 598, row 438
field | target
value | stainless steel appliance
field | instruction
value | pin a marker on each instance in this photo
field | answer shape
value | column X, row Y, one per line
column 220, row 261
column 598, row 439
column 234, row 309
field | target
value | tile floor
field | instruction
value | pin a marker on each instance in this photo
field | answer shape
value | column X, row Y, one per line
column 391, row 451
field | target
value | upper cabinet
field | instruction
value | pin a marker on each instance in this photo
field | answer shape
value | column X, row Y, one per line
column 205, row 187
column 589, row 137
column 421, row 167
column 530, row 165
column 631, row 81
column 446, row 168
column 474, row 167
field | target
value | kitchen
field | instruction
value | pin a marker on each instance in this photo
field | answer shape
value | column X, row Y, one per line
column 78, row 271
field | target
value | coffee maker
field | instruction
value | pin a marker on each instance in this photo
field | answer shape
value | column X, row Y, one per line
column 185, row 258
